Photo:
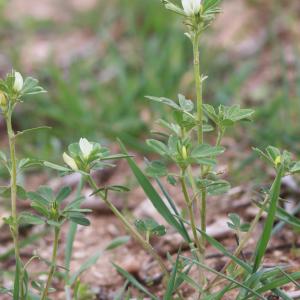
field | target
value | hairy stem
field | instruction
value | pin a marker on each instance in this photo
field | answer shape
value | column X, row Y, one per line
column 14, row 227
column 199, row 93
column 198, row 85
column 199, row 245
column 53, row 264
column 70, row 241
column 135, row 234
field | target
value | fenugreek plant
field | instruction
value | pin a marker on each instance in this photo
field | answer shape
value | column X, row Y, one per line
column 182, row 140
column 49, row 209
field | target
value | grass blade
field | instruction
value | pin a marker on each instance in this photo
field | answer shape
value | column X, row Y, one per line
column 254, row 293
column 171, row 283
column 86, row 265
column 16, row 292
column 133, row 281
column 154, row 197
column 275, row 283
column 267, row 230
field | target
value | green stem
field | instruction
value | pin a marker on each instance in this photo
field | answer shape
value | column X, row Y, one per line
column 198, row 85
column 69, row 244
column 135, row 234
column 53, row 264
column 13, row 185
column 203, row 218
column 199, row 245
column 220, row 136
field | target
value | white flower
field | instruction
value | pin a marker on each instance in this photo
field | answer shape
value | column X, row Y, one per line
column 70, row 161
column 86, row 147
column 191, row 7
column 18, row 84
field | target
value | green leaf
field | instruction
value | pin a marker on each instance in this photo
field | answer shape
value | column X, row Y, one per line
column 27, row 218
column 210, row 112
column 40, row 209
column 37, row 198
column 81, row 220
column 154, row 197
column 235, row 113
column 266, row 234
column 54, row 223
column 55, row 167
column 30, row 130
column 218, row 187
column 31, row 87
column 151, row 226
column 46, row 192
column 117, row 242
column 63, row 194
column 273, row 152
column 85, row 266
column 205, row 150
column 164, row 100
column 74, row 204
column 295, row 168
column 133, row 281
column 185, row 104
column 29, row 162
column 158, row 147
column 171, row 282
column 156, row 169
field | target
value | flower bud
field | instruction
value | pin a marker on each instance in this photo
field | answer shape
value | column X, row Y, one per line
column 191, row 7
column 70, row 161
column 86, row 147
column 184, row 152
column 18, row 84
column 278, row 160
column 3, row 101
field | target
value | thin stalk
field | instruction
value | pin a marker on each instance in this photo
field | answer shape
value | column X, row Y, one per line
column 135, row 234
column 203, row 217
column 220, row 136
column 70, row 241
column 53, row 264
column 199, row 245
column 198, row 85
column 13, row 185
column 243, row 242
column 199, row 93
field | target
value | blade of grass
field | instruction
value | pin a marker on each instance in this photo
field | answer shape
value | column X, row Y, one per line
column 171, row 202
column 276, row 283
column 86, row 265
column 154, row 197
column 133, row 281
column 254, row 293
column 267, row 230
column 171, row 283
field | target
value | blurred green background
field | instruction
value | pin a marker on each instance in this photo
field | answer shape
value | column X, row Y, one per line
column 98, row 59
